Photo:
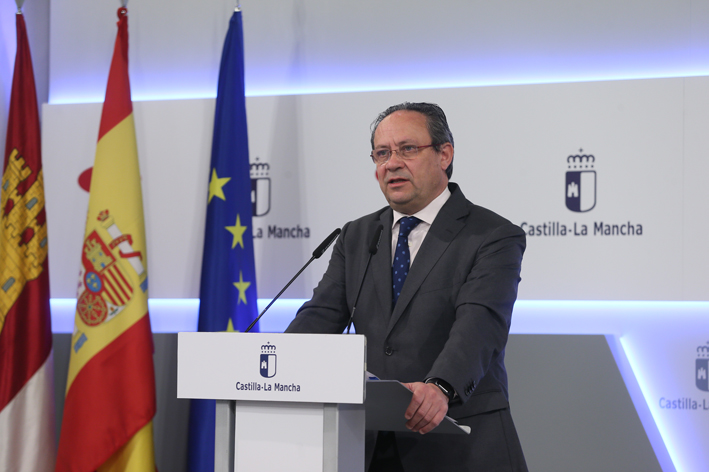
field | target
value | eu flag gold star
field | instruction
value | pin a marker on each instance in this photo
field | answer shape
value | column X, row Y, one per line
column 238, row 231
column 230, row 326
column 242, row 286
column 215, row 186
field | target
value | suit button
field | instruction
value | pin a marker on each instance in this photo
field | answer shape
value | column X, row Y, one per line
column 388, row 351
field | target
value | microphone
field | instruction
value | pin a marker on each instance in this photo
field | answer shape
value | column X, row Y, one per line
column 373, row 247
column 319, row 251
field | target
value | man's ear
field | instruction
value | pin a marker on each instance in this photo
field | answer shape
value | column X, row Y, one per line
column 446, row 154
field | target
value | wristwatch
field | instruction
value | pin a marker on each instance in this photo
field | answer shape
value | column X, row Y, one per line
column 445, row 387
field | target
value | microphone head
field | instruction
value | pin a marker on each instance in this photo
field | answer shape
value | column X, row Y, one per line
column 376, row 239
column 320, row 250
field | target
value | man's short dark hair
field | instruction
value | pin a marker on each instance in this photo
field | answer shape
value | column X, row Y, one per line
column 435, row 120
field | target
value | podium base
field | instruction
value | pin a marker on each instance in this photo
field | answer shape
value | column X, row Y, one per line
column 298, row 437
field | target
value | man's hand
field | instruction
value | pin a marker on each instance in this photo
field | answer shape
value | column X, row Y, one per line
column 427, row 408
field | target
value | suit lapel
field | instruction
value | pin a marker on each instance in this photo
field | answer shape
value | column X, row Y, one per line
column 381, row 263
column 448, row 223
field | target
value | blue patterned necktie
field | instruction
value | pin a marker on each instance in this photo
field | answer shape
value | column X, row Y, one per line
column 402, row 257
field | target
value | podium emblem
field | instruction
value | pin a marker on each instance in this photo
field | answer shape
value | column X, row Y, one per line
column 267, row 363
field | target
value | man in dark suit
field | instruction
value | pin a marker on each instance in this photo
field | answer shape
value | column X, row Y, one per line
column 436, row 305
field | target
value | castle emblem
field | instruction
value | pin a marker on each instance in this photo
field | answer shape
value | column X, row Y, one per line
column 23, row 230
column 267, row 363
column 260, row 188
column 702, row 368
column 580, row 186
column 109, row 269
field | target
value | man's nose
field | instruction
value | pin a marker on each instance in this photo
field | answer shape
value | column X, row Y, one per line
column 395, row 161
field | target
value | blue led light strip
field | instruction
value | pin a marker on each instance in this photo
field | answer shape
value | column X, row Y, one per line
column 76, row 97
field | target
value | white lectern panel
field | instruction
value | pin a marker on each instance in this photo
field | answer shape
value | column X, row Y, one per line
column 279, row 436
column 314, row 368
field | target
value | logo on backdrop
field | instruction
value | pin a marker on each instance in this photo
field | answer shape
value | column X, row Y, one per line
column 684, row 401
column 261, row 206
column 267, row 363
column 702, row 368
column 580, row 197
column 580, row 182
column 260, row 188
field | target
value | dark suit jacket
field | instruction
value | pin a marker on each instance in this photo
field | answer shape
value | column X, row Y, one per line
column 451, row 321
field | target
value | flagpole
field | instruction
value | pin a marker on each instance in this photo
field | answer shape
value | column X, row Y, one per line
column 19, row 4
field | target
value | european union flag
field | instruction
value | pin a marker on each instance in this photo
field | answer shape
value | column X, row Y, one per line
column 228, row 286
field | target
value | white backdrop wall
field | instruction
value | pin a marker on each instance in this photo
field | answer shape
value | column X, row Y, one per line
column 512, row 145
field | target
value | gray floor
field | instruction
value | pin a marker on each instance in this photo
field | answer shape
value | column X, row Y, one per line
column 571, row 407
column 568, row 401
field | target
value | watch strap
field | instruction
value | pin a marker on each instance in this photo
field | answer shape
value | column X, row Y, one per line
column 444, row 386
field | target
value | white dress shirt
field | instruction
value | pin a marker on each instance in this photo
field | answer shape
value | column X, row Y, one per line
column 417, row 235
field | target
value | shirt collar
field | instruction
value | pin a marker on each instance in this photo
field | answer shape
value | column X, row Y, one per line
column 429, row 213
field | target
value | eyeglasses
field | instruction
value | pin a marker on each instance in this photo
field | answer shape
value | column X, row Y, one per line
column 407, row 151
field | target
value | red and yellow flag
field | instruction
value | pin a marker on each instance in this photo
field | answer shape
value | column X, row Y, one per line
column 26, row 373
column 110, row 396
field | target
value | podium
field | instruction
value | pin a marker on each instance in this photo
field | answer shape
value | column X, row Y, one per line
column 292, row 402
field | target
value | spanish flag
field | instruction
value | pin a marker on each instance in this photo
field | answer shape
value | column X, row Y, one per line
column 110, row 397
column 26, row 375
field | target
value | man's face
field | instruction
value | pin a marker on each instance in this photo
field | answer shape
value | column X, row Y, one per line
column 409, row 185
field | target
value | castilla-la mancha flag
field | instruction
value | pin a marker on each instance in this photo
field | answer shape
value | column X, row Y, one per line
column 26, row 379
column 110, row 395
